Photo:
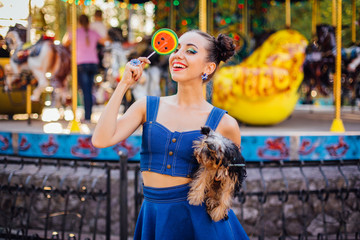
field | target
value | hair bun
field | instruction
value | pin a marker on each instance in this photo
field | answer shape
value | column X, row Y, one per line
column 225, row 47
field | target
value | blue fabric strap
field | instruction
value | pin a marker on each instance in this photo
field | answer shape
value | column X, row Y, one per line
column 152, row 106
column 215, row 117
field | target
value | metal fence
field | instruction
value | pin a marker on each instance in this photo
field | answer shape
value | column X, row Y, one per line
column 61, row 218
column 306, row 196
column 19, row 198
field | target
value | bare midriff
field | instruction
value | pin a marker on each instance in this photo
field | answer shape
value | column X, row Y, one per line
column 157, row 180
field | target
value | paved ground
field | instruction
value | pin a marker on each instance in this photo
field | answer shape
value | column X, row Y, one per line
column 304, row 120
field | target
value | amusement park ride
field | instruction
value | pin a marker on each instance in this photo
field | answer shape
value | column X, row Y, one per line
column 261, row 90
column 303, row 175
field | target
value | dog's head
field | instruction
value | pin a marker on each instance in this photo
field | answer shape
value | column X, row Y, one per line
column 210, row 148
column 214, row 150
column 214, row 147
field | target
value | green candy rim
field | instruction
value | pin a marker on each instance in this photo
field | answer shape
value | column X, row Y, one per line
column 160, row 30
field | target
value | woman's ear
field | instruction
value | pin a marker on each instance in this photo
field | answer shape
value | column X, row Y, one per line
column 210, row 68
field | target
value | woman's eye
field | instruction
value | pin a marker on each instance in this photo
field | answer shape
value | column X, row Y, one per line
column 191, row 50
column 176, row 50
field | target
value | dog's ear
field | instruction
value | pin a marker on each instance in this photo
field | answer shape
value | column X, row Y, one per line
column 205, row 130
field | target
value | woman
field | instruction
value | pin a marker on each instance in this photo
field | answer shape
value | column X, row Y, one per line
column 87, row 61
column 170, row 124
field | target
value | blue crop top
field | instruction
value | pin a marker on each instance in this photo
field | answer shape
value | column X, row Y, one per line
column 166, row 152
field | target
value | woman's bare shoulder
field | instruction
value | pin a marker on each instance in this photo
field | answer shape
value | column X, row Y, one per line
column 229, row 128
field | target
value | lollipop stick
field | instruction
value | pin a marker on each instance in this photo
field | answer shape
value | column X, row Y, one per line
column 151, row 54
column 136, row 62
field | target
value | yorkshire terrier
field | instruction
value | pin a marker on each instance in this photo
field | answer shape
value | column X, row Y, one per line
column 220, row 174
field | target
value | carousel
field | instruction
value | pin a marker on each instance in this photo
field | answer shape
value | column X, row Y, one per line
column 293, row 86
column 261, row 86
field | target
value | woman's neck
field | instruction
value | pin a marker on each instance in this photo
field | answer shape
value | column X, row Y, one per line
column 190, row 95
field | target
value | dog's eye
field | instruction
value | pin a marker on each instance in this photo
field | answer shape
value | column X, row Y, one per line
column 210, row 146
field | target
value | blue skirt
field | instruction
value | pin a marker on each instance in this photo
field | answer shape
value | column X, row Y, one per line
column 167, row 215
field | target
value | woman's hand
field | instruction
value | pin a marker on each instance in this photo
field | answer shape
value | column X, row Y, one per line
column 133, row 73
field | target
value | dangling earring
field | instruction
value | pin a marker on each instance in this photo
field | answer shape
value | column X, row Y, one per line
column 204, row 77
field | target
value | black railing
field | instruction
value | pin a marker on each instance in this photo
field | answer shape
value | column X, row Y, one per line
column 19, row 198
column 305, row 196
column 71, row 209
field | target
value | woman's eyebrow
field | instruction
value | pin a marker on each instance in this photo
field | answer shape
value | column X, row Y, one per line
column 189, row 44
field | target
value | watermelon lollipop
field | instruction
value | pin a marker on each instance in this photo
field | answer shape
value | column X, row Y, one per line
column 164, row 42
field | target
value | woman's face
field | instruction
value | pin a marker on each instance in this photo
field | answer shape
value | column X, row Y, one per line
column 188, row 61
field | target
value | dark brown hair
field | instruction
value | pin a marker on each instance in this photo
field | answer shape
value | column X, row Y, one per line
column 98, row 13
column 84, row 22
column 219, row 49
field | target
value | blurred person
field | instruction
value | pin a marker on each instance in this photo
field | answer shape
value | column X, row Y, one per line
column 98, row 26
column 87, row 60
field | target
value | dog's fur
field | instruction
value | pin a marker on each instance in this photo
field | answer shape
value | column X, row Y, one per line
column 219, row 176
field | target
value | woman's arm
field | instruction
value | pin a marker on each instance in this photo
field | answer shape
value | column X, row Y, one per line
column 229, row 128
column 110, row 130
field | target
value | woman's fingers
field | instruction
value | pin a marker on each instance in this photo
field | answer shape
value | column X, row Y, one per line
column 133, row 69
column 141, row 61
column 144, row 60
column 137, row 73
column 136, row 70
column 140, row 68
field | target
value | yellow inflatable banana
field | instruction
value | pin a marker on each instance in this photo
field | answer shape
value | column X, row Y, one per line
column 262, row 90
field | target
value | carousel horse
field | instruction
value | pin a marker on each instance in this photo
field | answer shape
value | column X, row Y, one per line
column 319, row 65
column 40, row 58
column 320, row 61
column 351, row 74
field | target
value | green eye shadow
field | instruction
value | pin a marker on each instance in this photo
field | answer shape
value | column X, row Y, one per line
column 192, row 50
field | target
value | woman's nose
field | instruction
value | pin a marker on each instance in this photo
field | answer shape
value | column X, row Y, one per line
column 179, row 54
